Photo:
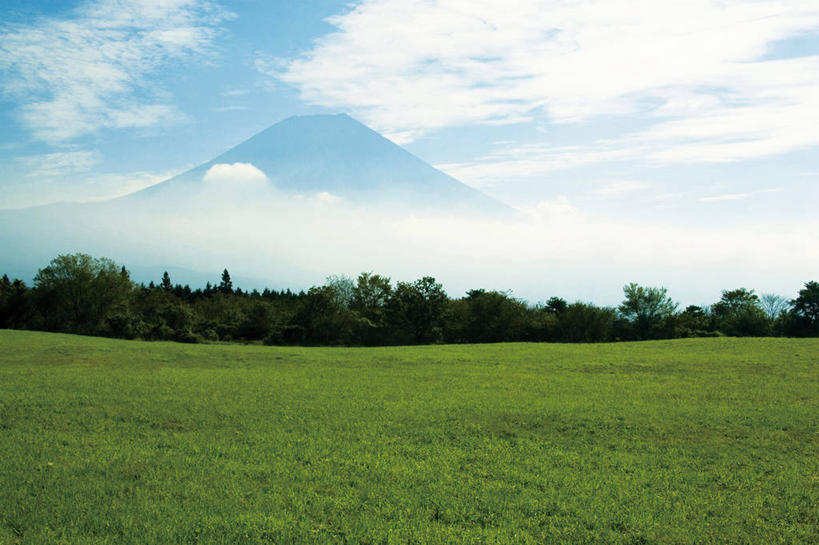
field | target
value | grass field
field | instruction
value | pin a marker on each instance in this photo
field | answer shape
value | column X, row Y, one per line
column 689, row 441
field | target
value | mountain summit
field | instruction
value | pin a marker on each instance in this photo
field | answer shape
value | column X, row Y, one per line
column 338, row 155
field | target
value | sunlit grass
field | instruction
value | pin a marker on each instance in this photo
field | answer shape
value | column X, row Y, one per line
column 688, row 441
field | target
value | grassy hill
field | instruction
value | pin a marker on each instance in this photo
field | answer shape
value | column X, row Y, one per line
column 687, row 441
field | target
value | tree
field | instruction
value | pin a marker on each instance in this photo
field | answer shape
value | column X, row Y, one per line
column 556, row 305
column 14, row 303
column 75, row 293
column 415, row 310
column 343, row 287
column 370, row 296
column 585, row 322
column 806, row 310
column 226, row 286
column 740, row 314
column 321, row 319
column 776, row 309
column 695, row 321
column 166, row 282
column 493, row 316
column 646, row 308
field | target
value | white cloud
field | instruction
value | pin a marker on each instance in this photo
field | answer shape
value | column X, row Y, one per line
column 230, row 108
column 620, row 188
column 102, row 187
column 235, row 175
column 326, row 197
column 50, row 165
column 62, row 184
column 552, row 248
column 736, row 196
column 408, row 67
column 726, row 197
column 89, row 71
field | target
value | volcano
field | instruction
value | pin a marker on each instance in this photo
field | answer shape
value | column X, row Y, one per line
column 296, row 194
column 337, row 155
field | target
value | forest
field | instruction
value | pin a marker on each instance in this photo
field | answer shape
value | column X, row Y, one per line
column 81, row 294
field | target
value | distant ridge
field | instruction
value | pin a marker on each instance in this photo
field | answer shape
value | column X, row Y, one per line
column 339, row 155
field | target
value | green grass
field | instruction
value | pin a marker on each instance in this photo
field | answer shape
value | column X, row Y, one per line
column 688, row 441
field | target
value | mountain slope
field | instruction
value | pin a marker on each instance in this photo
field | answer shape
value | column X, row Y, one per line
column 338, row 155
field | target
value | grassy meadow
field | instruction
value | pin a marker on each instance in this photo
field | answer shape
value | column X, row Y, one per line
column 668, row 442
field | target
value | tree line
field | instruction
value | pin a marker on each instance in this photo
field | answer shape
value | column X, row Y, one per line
column 78, row 293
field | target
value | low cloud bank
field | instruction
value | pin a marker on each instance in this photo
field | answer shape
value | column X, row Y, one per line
column 239, row 220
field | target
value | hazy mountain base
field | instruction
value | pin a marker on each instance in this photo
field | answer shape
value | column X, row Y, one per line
column 270, row 238
column 313, row 196
column 694, row 441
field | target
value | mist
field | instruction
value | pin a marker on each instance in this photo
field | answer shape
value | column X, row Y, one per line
column 267, row 237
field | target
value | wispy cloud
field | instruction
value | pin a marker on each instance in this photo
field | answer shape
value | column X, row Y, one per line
column 619, row 188
column 736, row 196
column 51, row 165
column 230, row 108
column 689, row 68
column 89, row 71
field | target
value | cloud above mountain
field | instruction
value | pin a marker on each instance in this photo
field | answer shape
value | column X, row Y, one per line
column 701, row 75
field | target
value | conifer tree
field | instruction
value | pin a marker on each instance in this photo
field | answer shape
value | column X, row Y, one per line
column 226, row 286
column 166, row 282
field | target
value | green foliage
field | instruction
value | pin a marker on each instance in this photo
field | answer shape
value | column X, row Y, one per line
column 415, row 311
column 648, row 309
column 673, row 442
column 226, row 285
column 739, row 314
column 166, row 284
column 81, row 294
column 343, row 288
column 695, row 321
column 587, row 323
column 77, row 292
column 491, row 316
column 806, row 311
column 556, row 305
column 15, row 303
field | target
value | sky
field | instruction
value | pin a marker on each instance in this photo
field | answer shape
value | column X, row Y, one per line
column 673, row 121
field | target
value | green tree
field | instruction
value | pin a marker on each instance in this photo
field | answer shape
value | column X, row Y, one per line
column 370, row 296
column 166, row 282
column 695, row 321
column 415, row 310
column 493, row 316
column 647, row 309
column 556, row 305
column 226, row 285
column 15, row 307
column 585, row 322
column 77, row 292
column 343, row 287
column 322, row 319
column 805, row 310
column 739, row 314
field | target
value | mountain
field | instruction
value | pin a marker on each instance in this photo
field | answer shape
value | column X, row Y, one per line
column 340, row 156
column 326, row 194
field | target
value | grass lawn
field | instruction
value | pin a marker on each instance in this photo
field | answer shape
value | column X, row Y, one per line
column 686, row 441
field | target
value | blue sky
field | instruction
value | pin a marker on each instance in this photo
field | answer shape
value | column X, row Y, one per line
column 674, row 114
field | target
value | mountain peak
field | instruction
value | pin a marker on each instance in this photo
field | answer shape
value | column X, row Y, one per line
column 336, row 154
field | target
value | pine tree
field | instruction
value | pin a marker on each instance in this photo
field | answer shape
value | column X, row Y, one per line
column 166, row 282
column 226, row 286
